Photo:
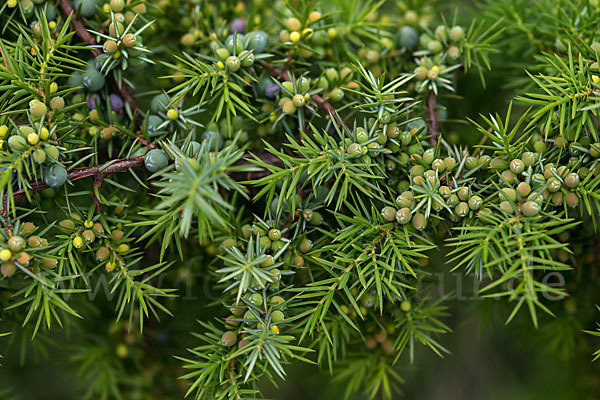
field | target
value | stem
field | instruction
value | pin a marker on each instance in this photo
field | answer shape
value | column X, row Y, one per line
column 119, row 165
column 125, row 164
column 433, row 124
column 322, row 103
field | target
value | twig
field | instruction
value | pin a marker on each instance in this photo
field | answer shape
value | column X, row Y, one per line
column 125, row 164
column 322, row 103
column 433, row 124
column 119, row 165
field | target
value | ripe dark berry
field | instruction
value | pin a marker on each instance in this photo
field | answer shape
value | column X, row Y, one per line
column 156, row 160
column 238, row 25
column 116, row 103
column 272, row 90
column 93, row 101
column 55, row 175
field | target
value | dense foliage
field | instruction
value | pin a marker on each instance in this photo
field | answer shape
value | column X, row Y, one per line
column 298, row 165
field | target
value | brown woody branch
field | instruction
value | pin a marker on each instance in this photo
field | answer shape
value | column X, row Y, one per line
column 433, row 123
column 119, row 165
column 125, row 164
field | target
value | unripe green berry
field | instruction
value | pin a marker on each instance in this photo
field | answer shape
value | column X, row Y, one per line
column 475, row 202
column 523, row 189
column 55, row 175
column 463, row 193
column 256, row 299
column 450, row 162
column 456, row 33
column 403, row 215
column 8, row 269
column 102, row 254
column 405, row 306
column 305, row 246
column 57, row 103
column 277, row 316
column 572, row 180
column 419, row 221
column 388, row 213
column 129, row 40
column 508, row 194
column 553, row 185
column 507, row 207
column 110, row 47
column 508, row 176
column 233, row 63
column 274, row 234
column 461, row 209
column 438, row 165
column 298, row 100
column 16, row 243
column 517, row 166
column 572, row 200
column 530, row 208
column 37, row 109
column 229, row 339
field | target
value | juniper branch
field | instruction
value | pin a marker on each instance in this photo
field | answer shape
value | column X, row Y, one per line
column 84, row 35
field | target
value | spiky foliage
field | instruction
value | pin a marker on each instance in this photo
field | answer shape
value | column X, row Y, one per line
column 298, row 162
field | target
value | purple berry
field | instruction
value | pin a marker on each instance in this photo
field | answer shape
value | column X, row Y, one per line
column 272, row 90
column 116, row 103
column 93, row 101
column 238, row 25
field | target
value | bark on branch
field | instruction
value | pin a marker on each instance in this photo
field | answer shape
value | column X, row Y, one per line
column 433, row 124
